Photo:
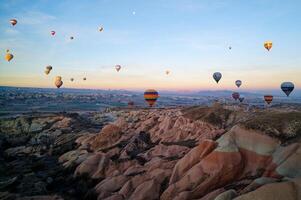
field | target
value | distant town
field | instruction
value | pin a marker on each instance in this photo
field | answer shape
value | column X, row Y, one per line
column 14, row 100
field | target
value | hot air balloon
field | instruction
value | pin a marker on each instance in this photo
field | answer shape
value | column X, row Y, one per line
column 287, row 87
column 151, row 96
column 238, row 83
column 71, row 38
column 268, row 45
column 71, row 79
column 117, row 67
column 52, row 33
column 167, row 72
column 217, row 76
column 268, row 98
column 235, row 95
column 241, row 98
column 13, row 22
column 8, row 56
column 131, row 103
column 100, row 29
column 58, row 81
column 84, row 78
column 230, row 47
column 48, row 69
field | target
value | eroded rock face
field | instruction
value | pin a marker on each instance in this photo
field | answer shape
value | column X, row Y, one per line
column 199, row 153
column 165, row 154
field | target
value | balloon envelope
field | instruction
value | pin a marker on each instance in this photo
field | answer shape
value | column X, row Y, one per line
column 9, row 57
column 241, row 98
column 151, row 96
column 100, row 29
column 118, row 68
column 235, row 95
column 13, row 22
column 268, row 98
column 58, row 83
column 217, row 76
column 238, row 83
column 268, row 45
column 71, row 79
column 287, row 87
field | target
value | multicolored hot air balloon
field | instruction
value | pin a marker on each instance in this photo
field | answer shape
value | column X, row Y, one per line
column 235, row 95
column 268, row 45
column 238, row 83
column 118, row 68
column 13, row 22
column 268, row 98
column 151, row 96
column 52, row 33
column 8, row 56
column 217, row 76
column 287, row 87
column 58, row 81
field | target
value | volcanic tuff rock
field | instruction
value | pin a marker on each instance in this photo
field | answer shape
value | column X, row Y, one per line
column 194, row 153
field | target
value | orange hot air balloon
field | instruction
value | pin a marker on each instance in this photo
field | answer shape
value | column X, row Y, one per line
column 8, row 56
column 151, row 96
column 13, row 22
column 268, row 45
column 268, row 98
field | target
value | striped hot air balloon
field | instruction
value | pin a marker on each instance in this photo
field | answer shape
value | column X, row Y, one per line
column 151, row 96
column 268, row 98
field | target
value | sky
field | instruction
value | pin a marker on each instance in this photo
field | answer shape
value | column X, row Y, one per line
column 191, row 38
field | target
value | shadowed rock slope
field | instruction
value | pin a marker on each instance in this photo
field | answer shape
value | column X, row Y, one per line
column 192, row 153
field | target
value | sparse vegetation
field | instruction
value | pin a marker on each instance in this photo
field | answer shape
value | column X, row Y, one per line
column 283, row 125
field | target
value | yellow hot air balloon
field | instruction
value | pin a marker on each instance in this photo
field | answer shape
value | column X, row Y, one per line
column 268, row 45
column 58, row 78
column 8, row 56
column 151, row 96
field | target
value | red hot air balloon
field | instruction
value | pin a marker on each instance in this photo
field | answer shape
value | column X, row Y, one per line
column 268, row 98
column 151, row 96
column 13, row 22
column 235, row 95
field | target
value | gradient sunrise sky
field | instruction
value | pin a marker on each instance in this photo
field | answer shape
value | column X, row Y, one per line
column 188, row 37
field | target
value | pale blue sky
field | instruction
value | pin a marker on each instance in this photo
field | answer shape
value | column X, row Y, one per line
column 189, row 37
